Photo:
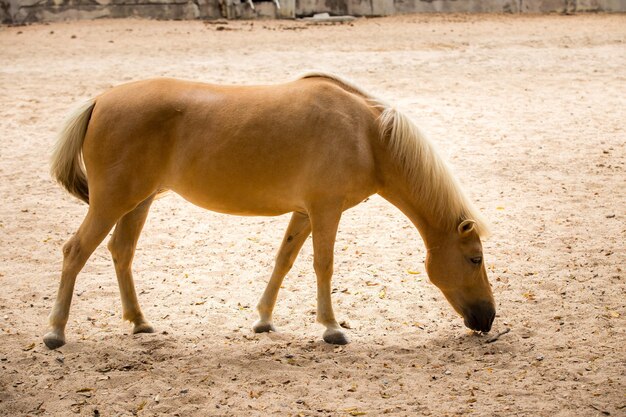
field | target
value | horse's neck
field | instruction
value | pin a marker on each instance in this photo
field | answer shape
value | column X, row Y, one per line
column 397, row 193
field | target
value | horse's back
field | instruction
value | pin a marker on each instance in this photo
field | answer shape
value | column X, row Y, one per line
column 236, row 149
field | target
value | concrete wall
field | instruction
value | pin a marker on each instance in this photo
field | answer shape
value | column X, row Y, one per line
column 388, row 7
column 26, row 11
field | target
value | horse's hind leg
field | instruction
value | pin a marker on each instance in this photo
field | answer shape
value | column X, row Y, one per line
column 76, row 251
column 122, row 247
column 298, row 230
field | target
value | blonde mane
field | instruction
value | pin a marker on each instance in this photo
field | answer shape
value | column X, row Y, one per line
column 429, row 176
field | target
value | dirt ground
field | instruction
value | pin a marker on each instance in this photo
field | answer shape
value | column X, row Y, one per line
column 529, row 110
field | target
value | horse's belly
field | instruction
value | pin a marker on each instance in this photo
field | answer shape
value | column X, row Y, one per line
column 237, row 203
column 238, row 192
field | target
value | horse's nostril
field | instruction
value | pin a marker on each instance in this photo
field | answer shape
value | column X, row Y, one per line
column 480, row 318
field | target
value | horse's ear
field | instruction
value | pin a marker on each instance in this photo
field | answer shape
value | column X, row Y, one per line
column 466, row 227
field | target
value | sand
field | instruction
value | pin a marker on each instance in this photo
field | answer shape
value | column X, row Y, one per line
column 529, row 110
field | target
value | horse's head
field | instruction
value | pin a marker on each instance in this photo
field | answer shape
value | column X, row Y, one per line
column 455, row 265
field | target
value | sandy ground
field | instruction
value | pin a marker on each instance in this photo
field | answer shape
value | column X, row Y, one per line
column 529, row 110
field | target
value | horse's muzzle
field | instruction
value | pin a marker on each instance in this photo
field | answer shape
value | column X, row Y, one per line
column 479, row 317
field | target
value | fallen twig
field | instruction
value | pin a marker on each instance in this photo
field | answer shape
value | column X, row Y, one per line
column 497, row 336
column 606, row 413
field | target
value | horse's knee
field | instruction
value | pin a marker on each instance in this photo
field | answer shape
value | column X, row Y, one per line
column 323, row 267
column 71, row 249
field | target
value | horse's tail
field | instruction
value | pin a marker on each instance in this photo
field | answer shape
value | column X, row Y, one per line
column 66, row 164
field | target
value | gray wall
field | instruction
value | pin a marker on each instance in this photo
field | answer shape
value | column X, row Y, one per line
column 26, row 11
column 389, row 7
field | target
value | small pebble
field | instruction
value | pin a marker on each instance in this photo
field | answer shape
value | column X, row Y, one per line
column 539, row 357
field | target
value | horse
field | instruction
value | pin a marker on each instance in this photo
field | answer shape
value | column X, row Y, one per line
column 314, row 147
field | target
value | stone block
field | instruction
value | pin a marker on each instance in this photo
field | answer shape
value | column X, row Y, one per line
column 5, row 13
column 359, row 8
column 383, row 7
column 600, row 5
column 543, row 6
column 458, row 6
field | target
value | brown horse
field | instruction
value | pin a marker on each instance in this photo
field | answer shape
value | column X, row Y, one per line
column 313, row 147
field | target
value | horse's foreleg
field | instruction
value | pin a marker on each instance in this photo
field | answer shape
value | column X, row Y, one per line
column 75, row 254
column 324, row 225
column 122, row 247
column 298, row 230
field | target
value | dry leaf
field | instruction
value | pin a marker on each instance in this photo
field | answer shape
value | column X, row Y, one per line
column 29, row 347
column 383, row 293
column 413, row 272
column 499, row 208
column 354, row 411
column 84, row 389
column 141, row 405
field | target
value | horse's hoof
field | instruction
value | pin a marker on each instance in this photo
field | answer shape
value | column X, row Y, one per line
column 143, row 328
column 263, row 327
column 54, row 340
column 335, row 337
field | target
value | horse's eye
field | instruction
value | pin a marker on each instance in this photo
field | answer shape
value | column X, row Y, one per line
column 476, row 260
